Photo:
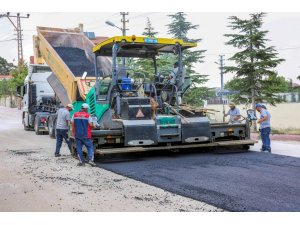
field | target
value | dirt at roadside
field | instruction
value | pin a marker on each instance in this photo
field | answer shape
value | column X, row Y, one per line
column 32, row 179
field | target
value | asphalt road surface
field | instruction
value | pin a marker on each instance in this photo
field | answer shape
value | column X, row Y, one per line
column 251, row 181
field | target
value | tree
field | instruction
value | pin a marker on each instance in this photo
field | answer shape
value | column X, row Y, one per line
column 5, row 67
column 179, row 28
column 19, row 75
column 278, row 84
column 147, row 65
column 8, row 87
column 298, row 77
column 255, row 63
column 149, row 30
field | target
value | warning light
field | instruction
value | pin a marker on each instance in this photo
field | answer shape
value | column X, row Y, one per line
column 133, row 37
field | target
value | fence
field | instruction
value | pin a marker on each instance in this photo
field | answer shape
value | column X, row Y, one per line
column 10, row 101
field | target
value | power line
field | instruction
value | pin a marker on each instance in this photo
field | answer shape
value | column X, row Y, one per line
column 88, row 24
column 19, row 34
column 232, row 53
column 291, row 48
column 13, row 39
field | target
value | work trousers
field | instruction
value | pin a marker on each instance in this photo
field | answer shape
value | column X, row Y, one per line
column 265, row 138
column 61, row 134
column 90, row 148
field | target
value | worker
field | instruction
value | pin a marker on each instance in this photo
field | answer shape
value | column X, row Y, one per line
column 153, row 103
column 172, row 76
column 234, row 113
column 82, row 124
column 265, row 127
column 62, row 123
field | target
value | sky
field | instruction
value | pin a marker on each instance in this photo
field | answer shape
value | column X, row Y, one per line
column 284, row 34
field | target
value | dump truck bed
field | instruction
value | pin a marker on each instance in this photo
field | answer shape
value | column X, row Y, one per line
column 68, row 52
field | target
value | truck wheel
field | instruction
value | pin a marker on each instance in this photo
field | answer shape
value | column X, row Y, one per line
column 51, row 129
column 36, row 126
column 25, row 127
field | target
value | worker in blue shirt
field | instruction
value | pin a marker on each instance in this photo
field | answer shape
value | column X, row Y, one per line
column 234, row 113
column 265, row 127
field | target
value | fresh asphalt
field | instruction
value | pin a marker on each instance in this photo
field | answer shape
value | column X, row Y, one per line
column 250, row 181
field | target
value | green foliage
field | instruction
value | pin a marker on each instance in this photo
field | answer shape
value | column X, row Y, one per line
column 5, row 87
column 8, row 87
column 5, row 67
column 255, row 75
column 276, row 84
column 179, row 28
column 149, row 30
column 19, row 75
column 163, row 61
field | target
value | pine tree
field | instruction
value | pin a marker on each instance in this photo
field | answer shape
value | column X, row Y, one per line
column 146, row 65
column 255, row 63
column 179, row 28
column 149, row 30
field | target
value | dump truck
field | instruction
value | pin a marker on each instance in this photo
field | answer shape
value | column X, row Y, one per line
column 131, row 112
column 38, row 98
column 68, row 53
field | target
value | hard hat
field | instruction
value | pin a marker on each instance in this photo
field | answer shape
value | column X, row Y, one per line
column 85, row 106
column 232, row 103
column 70, row 106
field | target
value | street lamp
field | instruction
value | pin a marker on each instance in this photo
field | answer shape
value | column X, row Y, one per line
column 109, row 23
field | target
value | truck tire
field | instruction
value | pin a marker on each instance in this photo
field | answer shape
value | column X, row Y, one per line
column 25, row 127
column 51, row 129
column 36, row 128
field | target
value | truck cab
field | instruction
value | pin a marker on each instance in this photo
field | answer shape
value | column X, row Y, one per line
column 36, row 95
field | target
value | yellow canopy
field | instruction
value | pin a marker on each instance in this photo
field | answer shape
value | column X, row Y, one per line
column 131, row 46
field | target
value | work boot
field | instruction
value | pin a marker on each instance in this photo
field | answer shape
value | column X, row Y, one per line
column 57, row 155
column 81, row 164
column 92, row 163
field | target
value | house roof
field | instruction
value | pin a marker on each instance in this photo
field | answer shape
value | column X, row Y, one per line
column 5, row 77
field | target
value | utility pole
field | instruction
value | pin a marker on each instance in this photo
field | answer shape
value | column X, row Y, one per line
column 221, row 66
column 253, row 82
column 221, row 70
column 124, row 21
column 19, row 34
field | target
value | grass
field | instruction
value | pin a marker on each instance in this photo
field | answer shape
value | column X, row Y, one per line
column 293, row 131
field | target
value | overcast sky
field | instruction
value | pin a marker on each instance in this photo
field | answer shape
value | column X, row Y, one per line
column 284, row 33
